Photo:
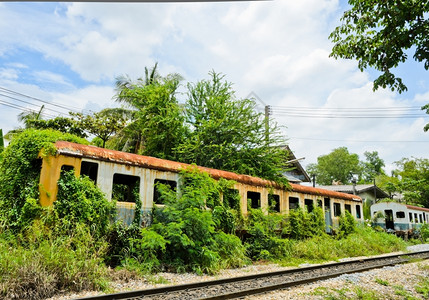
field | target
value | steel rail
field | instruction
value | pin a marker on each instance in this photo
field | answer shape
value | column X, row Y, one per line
column 159, row 292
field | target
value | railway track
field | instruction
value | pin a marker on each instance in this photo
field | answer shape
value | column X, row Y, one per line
column 264, row 282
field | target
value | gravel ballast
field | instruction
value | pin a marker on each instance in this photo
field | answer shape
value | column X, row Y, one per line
column 388, row 283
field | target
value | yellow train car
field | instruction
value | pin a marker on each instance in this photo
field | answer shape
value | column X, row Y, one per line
column 120, row 175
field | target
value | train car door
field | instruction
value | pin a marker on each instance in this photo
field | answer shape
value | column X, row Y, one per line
column 328, row 219
column 389, row 219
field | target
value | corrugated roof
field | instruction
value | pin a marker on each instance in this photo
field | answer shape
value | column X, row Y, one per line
column 72, row 149
column 360, row 188
column 417, row 208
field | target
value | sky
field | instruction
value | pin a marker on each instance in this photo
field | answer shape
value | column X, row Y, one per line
column 67, row 56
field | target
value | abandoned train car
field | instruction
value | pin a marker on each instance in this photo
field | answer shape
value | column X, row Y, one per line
column 400, row 218
column 111, row 170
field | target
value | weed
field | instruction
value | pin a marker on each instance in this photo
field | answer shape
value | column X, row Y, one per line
column 381, row 281
column 401, row 291
column 156, row 279
column 345, row 293
column 423, row 287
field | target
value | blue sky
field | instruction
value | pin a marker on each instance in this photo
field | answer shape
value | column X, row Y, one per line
column 70, row 54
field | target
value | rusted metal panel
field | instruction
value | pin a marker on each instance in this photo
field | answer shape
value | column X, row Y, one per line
column 72, row 149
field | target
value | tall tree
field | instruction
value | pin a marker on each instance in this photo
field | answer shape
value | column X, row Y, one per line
column 379, row 33
column 156, row 127
column 373, row 166
column 28, row 116
column 63, row 124
column 228, row 133
column 338, row 166
column 103, row 124
column 414, row 175
column 410, row 181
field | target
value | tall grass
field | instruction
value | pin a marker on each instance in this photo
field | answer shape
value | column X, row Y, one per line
column 46, row 265
column 363, row 242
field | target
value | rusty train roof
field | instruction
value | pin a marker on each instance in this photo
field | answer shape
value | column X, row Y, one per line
column 79, row 150
column 417, row 208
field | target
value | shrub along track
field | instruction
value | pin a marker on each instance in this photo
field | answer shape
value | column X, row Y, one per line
column 264, row 282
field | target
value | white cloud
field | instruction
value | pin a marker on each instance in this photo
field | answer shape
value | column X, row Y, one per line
column 8, row 74
column 277, row 49
column 89, row 98
column 50, row 77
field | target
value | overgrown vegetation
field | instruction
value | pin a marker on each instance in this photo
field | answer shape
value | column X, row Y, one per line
column 46, row 250
column 20, row 171
column 69, row 246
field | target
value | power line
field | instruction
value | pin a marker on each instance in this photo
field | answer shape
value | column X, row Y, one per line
column 355, row 141
column 400, row 112
column 69, row 108
column 331, row 116
column 401, row 108
column 21, row 108
column 27, row 102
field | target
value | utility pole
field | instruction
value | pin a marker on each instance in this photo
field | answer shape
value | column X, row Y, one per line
column 267, row 114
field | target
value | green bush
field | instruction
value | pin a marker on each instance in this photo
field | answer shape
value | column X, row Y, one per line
column 192, row 236
column 263, row 236
column 20, row 172
column 144, row 252
column 231, row 251
column 301, row 224
column 424, row 232
column 347, row 225
column 79, row 201
column 119, row 240
column 226, row 219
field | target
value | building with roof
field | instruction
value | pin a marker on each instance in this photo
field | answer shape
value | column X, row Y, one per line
column 295, row 173
column 369, row 192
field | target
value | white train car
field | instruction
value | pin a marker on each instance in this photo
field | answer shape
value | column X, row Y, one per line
column 400, row 218
column 122, row 175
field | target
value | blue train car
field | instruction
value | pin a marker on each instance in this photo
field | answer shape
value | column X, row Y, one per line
column 400, row 218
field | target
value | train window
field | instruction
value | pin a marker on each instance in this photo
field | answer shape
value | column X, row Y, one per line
column 66, row 168
column 36, row 164
column 293, row 203
column 400, row 214
column 327, row 203
column 420, row 218
column 309, row 205
column 274, row 202
column 348, row 207
column 411, row 217
column 231, row 198
column 255, row 199
column 157, row 199
column 358, row 215
column 89, row 169
column 126, row 188
column 337, row 209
